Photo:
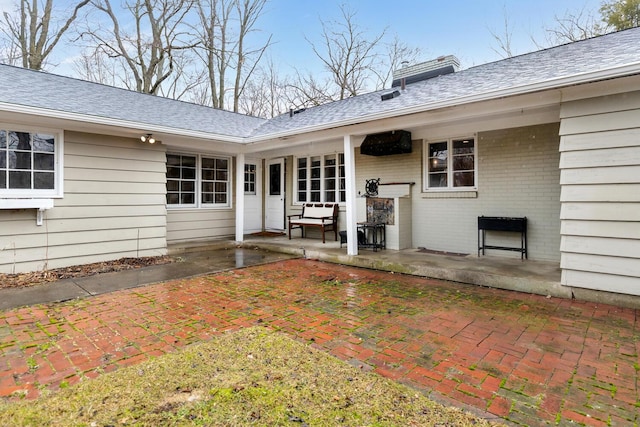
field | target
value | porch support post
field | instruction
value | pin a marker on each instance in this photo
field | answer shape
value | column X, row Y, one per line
column 350, row 183
column 240, row 197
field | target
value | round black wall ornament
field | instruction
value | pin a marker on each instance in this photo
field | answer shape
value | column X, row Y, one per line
column 371, row 187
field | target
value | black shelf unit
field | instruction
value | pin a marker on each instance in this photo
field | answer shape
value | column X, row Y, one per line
column 508, row 224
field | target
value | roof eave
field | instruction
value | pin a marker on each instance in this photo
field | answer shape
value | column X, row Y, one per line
column 124, row 124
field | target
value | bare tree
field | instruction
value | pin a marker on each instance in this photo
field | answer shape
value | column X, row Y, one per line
column 504, row 39
column 614, row 15
column 185, row 79
column 33, row 33
column 347, row 53
column 573, row 26
column 148, row 53
column 307, row 90
column 265, row 94
column 396, row 53
column 224, row 30
column 93, row 66
column 214, row 17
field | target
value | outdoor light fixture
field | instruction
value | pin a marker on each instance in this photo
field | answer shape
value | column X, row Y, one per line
column 148, row 138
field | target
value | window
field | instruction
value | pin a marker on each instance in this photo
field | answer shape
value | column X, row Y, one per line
column 198, row 181
column 249, row 179
column 29, row 164
column 320, row 178
column 451, row 164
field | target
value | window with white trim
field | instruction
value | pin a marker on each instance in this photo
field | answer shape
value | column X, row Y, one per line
column 451, row 164
column 250, row 178
column 198, row 181
column 30, row 163
column 320, row 178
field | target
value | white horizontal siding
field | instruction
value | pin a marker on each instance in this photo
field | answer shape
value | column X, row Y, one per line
column 613, row 265
column 199, row 224
column 618, row 229
column 89, row 187
column 601, row 193
column 596, row 281
column 608, row 246
column 609, row 175
column 626, row 156
column 600, row 140
column 600, row 179
column 113, row 207
column 605, row 104
column 599, row 123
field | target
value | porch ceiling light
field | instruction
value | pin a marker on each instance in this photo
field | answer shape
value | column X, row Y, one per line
column 148, row 138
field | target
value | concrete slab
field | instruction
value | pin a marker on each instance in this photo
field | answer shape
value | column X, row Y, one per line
column 62, row 290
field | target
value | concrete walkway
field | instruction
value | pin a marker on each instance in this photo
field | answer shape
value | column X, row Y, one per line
column 189, row 264
column 527, row 359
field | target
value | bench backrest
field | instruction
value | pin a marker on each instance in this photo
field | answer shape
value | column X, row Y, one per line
column 320, row 210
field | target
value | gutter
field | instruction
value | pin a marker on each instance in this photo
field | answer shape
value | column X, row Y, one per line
column 110, row 122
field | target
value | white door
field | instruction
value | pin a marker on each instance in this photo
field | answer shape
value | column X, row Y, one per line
column 252, row 196
column 274, row 202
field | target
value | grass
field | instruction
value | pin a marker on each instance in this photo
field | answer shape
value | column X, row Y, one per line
column 253, row 377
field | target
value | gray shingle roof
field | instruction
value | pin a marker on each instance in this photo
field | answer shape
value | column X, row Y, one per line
column 545, row 66
column 521, row 73
column 49, row 91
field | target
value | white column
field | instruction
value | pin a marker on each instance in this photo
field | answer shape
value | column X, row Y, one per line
column 239, row 197
column 350, row 183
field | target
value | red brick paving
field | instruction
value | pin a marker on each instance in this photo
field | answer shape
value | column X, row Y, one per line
column 523, row 358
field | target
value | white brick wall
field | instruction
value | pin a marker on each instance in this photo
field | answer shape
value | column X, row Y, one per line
column 518, row 176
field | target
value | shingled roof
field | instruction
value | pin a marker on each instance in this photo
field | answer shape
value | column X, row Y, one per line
column 42, row 90
column 601, row 57
column 607, row 56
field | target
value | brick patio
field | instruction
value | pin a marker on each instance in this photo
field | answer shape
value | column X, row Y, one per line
column 525, row 358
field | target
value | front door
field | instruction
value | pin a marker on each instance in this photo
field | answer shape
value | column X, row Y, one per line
column 274, row 204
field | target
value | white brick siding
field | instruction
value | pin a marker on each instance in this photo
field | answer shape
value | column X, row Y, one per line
column 518, row 175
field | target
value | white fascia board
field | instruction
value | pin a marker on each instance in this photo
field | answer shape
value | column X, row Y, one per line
column 106, row 121
column 577, row 79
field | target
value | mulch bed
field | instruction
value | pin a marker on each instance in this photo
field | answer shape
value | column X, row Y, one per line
column 33, row 278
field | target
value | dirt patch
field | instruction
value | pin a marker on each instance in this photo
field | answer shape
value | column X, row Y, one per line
column 33, row 278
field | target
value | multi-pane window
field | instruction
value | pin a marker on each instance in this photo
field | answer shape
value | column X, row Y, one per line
column 27, row 162
column 181, row 179
column 320, row 178
column 215, row 181
column 197, row 180
column 451, row 164
column 249, row 179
